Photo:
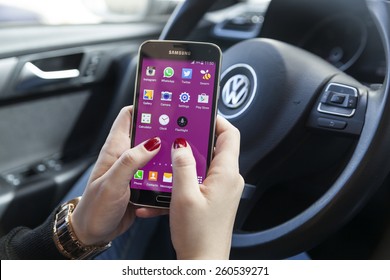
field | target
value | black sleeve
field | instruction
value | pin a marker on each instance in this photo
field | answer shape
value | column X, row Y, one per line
column 30, row 244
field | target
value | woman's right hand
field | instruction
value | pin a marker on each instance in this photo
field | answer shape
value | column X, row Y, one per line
column 202, row 215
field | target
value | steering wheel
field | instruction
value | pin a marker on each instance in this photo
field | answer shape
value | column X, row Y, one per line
column 276, row 95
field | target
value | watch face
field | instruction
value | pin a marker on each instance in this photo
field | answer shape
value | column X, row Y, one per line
column 164, row 119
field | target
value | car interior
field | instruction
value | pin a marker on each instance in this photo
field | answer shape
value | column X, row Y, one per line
column 315, row 133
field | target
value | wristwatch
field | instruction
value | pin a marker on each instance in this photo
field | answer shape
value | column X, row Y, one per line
column 66, row 240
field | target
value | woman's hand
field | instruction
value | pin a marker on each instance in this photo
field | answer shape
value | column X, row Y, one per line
column 104, row 211
column 202, row 216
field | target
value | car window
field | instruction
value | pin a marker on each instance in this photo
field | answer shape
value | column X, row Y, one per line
column 66, row 12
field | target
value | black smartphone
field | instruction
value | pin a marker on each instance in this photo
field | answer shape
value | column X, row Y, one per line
column 175, row 96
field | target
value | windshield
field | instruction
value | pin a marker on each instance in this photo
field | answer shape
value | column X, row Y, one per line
column 62, row 12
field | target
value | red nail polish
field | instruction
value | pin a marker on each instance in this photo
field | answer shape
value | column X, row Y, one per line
column 152, row 144
column 180, row 143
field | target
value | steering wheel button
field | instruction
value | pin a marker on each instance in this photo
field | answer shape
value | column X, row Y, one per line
column 337, row 99
column 332, row 124
column 342, row 89
column 352, row 102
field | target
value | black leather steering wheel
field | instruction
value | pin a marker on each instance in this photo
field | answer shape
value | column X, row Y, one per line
column 296, row 88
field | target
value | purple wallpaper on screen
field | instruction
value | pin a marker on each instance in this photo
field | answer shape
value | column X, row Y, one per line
column 173, row 104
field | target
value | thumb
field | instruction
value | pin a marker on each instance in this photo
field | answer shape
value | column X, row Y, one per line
column 185, row 183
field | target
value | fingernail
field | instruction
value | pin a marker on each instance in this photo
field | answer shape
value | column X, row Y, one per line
column 152, row 144
column 179, row 143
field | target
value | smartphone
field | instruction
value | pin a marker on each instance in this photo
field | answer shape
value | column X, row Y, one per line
column 175, row 96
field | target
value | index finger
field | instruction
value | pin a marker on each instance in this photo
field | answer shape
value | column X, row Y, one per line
column 226, row 151
column 228, row 137
column 224, row 167
column 121, row 126
column 116, row 144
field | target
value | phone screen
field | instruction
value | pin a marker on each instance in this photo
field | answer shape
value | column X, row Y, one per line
column 175, row 99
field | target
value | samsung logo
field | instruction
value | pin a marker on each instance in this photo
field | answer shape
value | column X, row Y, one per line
column 174, row 52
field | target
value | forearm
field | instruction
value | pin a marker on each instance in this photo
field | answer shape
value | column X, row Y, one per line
column 25, row 243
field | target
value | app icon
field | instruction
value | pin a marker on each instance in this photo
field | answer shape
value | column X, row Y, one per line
column 148, row 94
column 153, row 175
column 184, row 97
column 203, row 98
column 150, row 71
column 146, row 118
column 163, row 119
column 167, row 177
column 168, row 72
column 182, row 121
column 186, row 73
column 139, row 175
column 166, row 96
column 206, row 74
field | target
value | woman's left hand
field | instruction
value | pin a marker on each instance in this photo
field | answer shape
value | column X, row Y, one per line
column 104, row 211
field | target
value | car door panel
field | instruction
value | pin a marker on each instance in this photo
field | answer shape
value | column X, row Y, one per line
column 59, row 94
column 6, row 68
column 29, row 132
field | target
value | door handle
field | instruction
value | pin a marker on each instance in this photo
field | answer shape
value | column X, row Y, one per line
column 30, row 68
column 32, row 78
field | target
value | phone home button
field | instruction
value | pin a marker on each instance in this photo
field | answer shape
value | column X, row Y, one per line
column 163, row 199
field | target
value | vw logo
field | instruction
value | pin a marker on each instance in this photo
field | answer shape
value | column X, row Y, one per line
column 235, row 91
column 239, row 86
